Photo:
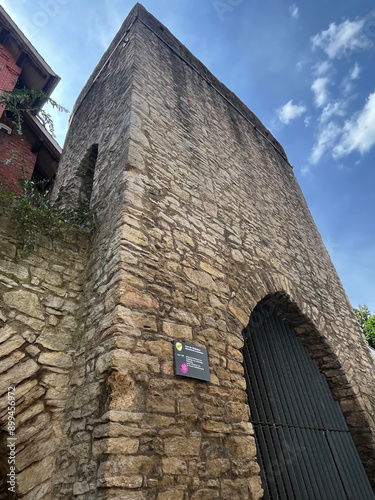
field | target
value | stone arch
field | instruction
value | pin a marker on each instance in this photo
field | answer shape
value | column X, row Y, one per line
column 318, row 337
column 85, row 175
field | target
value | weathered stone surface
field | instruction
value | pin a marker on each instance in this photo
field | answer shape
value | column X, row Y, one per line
column 35, row 474
column 39, row 423
column 171, row 495
column 241, row 446
column 124, row 360
column 58, row 359
column 205, row 494
column 130, row 297
column 136, row 320
column 20, row 372
column 180, row 447
column 54, row 302
column 127, row 466
column 200, row 278
column 19, row 271
column 29, row 413
column 241, row 315
column 160, row 404
column 39, row 492
column 55, row 341
column 174, row 466
column 10, row 361
column 176, row 331
column 161, row 348
column 35, row 324
column 46, row 276
column 134, row 236
column 80, row 488
column 25, row 302
column 6, row 332
column 43, row 447
column 115, row 446
column 55, row 379
column 215, row 426
column 32, row 350
column 138, row 300
column 127, row 482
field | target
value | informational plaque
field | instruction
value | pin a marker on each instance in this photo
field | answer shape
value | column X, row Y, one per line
column 190, row 361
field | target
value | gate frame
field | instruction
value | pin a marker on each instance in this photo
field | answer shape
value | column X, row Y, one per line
column 322, row 339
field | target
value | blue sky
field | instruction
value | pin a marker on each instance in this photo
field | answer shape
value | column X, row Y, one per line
column 306, row 69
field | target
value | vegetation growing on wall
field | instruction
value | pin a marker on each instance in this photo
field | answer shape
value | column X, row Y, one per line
column 33, row 213
column 19, row 101
column 367, row 322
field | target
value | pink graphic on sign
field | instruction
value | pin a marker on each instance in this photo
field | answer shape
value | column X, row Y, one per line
column 184, row 368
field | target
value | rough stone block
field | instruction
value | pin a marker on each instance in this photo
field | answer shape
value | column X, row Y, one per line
column 58, row 359
column 24, row 302
column 180, row 447
column 35, row 474
column 176, row 331
column 241, row 446
column 20, row 372
column 80, row 488
column 55, row 340
column 174, row 466
column 171, row 495
column 120, row 445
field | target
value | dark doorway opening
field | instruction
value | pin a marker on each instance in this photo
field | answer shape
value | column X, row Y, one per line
column 304, row 447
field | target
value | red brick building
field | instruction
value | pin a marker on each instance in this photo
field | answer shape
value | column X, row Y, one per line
column 34, row 153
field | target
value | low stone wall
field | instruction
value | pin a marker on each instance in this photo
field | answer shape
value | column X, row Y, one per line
column 39, row 306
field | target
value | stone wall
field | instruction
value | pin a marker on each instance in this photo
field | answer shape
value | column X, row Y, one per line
column 40, row 298
column 200, row 218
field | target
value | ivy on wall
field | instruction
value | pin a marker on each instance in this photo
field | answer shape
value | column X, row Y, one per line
column 32, row 213
column 19, row 101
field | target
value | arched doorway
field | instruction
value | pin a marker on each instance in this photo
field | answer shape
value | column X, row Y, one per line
column 304, row 447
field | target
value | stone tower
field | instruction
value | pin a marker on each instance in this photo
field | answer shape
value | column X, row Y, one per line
column 199, row 219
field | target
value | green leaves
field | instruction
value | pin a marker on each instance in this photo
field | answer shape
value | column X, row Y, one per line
column 369, row 331
column 33, row 214
column 19, row 101
column 367, row 322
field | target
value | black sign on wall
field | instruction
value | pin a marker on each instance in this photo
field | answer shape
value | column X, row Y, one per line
column 190, row 361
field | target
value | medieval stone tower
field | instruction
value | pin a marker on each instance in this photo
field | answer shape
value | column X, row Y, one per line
column 200, row 225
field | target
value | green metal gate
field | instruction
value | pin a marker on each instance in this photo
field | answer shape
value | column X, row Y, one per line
column 304, row 447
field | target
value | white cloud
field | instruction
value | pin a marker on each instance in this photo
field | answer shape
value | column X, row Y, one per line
column 319, row 87
column 290, row 111
column 347, row 83
column 354, row 74
column 334, row 108
column 294, row 11
column 305, row 169
column 342, row 39
column 359, row 132
column 326, row 140
column 322, row 68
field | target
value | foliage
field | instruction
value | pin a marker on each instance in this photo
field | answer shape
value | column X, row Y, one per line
column 369, row 331
column 363, row 314
column 33, row 213
column 18, row 101
column 367, row 322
